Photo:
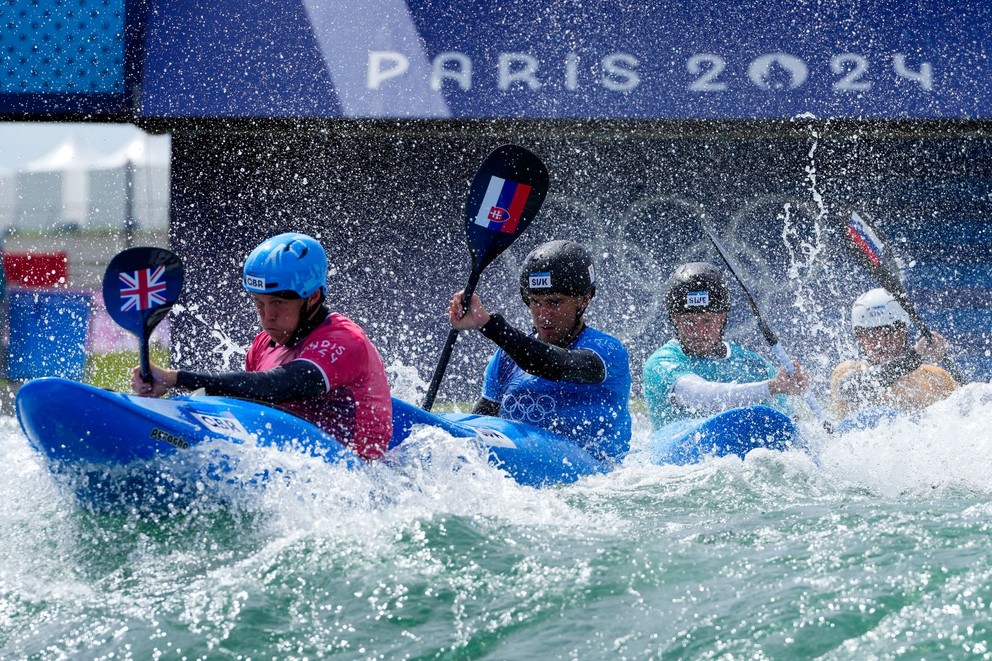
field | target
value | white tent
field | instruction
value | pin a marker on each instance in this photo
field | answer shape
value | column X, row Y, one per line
column 75, row 185
column 53, row 190
column 143, row 151
column 148, row 157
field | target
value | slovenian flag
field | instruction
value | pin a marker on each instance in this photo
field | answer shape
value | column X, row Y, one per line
column 503, row 205
column 865, row 239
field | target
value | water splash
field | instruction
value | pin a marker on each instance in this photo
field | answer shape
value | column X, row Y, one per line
column 231, row 353
column 443, row 555
column 405, row 382
column 808, row 246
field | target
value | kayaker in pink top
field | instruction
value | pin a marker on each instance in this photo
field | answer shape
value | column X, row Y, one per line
column 317, row 364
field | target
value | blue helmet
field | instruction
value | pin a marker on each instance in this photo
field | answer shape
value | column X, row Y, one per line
column 290, row 262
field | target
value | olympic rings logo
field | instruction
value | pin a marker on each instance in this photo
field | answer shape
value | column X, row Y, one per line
column 528, row 408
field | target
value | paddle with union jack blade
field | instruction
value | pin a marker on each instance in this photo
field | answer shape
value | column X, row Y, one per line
column 766, row 330
column 506, row 194
column 140, row 286
column 865, row 243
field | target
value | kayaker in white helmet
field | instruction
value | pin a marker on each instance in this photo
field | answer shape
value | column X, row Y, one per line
column 699, row 373
column 565, row 376
column 890, row 373
column 316, row 363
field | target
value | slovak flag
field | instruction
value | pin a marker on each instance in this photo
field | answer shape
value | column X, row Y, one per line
column 143, row 290
column 502, row 205
column 865, row 239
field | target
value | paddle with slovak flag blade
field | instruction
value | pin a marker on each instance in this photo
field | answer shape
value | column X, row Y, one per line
column 505, row 196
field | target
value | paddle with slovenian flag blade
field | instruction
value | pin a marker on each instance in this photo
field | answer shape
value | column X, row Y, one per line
column 867, row 245
column 505, row 196
column 140, row 286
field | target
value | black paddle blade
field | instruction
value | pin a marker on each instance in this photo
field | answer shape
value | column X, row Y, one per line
column 506, row 194
column 140, row 286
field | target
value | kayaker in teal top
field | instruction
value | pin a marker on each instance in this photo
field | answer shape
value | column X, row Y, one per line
column 698, row 373
column 566, row 377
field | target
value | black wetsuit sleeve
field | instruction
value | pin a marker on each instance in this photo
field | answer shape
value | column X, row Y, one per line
column 860, row 384
column 298, row 379
column 542, row 359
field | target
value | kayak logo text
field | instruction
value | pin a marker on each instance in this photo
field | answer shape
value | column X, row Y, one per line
column 171, row 439
column 226, row 426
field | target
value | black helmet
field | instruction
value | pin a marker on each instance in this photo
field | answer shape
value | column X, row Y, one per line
column 697, row 287
column 557, row 267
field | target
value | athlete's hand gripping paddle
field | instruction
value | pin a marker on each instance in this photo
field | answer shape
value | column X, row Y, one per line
column 140, row 286
column 506, row 194
column 865, row 243
column 766, row 331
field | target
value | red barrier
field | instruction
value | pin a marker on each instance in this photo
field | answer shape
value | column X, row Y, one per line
column 34, row 269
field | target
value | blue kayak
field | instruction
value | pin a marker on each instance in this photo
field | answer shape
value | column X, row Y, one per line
column 81, row 428
column 733, row 432
column 868, row 418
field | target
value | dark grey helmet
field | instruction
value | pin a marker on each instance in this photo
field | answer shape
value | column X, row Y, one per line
column 558, row 267
column 697, row 287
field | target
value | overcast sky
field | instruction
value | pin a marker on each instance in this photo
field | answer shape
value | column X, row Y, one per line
column 21, row 142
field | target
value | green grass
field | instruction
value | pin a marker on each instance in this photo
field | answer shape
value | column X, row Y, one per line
column 113, row 370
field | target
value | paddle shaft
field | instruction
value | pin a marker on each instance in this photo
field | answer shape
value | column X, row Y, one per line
column 786, row 363
column 766, row 330
column 449, row 344
column 144, row 356
column 900, row 295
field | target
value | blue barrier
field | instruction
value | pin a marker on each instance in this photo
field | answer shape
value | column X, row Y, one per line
column 48, row 332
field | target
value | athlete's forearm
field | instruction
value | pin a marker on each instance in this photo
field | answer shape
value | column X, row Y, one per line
column 298, row 379
column 859, row 384
column 542, row 359
column 695, row 392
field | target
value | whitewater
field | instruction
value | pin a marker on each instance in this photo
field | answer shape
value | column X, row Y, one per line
column 874, row 544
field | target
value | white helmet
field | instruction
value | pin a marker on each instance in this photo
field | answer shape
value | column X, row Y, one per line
column 877, row 308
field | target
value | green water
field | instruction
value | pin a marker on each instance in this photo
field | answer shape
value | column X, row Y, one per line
column 879, row 548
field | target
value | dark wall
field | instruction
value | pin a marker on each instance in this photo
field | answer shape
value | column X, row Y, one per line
column 388, row 203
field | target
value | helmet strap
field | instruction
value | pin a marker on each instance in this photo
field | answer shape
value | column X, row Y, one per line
column 311, row 316
column 585, row 306
column 577, row 329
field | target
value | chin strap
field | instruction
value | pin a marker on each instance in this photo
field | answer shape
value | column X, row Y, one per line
column 576, row 331
column 310, row 318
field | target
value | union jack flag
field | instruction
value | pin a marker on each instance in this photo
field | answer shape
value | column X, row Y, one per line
column 143, row 290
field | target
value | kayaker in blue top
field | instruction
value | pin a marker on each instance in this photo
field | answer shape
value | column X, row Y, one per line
column 698, row 373
column 566, row 377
